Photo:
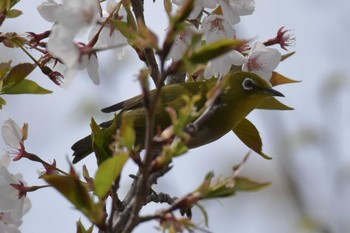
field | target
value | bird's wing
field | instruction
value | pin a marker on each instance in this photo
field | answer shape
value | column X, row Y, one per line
column 137, row 101
column 128, row 104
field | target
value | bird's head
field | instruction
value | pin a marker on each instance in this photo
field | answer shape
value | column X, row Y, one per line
column 246, row 91
column 248, row 85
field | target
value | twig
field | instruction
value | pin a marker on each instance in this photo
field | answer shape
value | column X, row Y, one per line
column 161, row 198
column 211, row 105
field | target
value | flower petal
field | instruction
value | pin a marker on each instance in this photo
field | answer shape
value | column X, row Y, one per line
column 11, row 134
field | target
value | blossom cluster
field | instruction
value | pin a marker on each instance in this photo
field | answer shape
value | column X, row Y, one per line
column 218, row 25
column 217, row 21
column 13, row 205
column 72, row 19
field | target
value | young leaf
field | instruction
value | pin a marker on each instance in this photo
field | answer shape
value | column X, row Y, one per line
column 288, row 55
column 77, row 193
column 213, row 50
column 13, row 13
column 250, row 136
column 82, row 229
column 245, row 184
column 279, row 79
column 17, row 74
column 127, row 133
column 168, row 6
column 26, row 87
column 2, row 102
column 4, row 69
column 108, row 171
column 72, row 189
column 273, row 104
column 102, row 139
column 204, row 212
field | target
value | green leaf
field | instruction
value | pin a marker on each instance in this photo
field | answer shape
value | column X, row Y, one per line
column 72, row 189
column 124, row 28
column 77, row 193
column 127, row 132
column 108, row 172
column 82, row 229
column 131, row 22
column 102, row 139
column 250, row 136
column 213, row 50
column 204, row 212
column 247, row 185
column 227, row 187
column 4, row 69
column 168, row 6
column 13, row 3
column 279, row 79
column 4, row 5
column 182, row 13
column 288, row 55
column 26, row 87
column 13, row 13
column 2, row 102
column 273, row 104
column 17, row 74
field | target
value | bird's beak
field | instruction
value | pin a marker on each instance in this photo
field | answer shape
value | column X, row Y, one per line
column 270, row 91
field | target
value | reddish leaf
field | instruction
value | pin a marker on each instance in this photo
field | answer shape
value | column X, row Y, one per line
column 278, row 79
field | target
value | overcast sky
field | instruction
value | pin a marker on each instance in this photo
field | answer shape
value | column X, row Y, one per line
column 321, row 114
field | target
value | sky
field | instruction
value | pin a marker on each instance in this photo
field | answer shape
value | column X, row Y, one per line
column 311, row 163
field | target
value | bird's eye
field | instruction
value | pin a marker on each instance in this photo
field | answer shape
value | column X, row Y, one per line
column 248, row 84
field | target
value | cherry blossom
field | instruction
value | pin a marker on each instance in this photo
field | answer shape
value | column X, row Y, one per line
column 71, row 17
column 48, row 10
column 182, row 42
column 109, row 36
column 220, row 66
column 233, row 9
column 198, row 6
column 12, row 208
column 262, row 60
column 12, row 134
column 216, row 27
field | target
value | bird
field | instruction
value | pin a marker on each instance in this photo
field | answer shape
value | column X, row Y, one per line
column 241, row 93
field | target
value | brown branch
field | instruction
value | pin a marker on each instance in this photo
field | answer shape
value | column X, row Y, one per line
column 161, row 198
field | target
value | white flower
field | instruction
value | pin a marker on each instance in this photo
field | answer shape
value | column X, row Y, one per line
column 182, row 42
column 109, row 36
column 198, row 6
column 71, row 17
column 12, row 208
column 233, row 9
column 220, row 66
column 90, row 63
column 12, row 134
column 78, row 14
column 48, row 10
column 262, row 60
column 216, row 27
column 61, row 45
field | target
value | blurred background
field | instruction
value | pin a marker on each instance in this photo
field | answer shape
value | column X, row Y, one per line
column 310, row 170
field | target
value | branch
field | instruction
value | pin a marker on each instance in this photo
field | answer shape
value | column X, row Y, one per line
column 139, row 194
column 211, row 105
column 161, row 198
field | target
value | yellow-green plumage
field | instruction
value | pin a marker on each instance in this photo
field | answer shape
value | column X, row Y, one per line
column 242, row 92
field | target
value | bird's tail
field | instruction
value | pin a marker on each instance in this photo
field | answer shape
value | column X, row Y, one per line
column 82, row 148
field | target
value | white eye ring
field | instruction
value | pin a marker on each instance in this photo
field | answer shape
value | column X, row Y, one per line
column 248, row 84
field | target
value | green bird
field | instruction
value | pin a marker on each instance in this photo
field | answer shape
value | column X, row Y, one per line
column 242, row 92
